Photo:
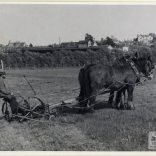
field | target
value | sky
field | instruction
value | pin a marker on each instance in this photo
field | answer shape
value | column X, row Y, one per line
column 45, row 24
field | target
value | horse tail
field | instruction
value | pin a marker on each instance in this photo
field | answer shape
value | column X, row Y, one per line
column 87, row 83
column 81, row 79
column 84, row 81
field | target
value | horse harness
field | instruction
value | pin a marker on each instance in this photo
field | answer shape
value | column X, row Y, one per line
column 132, row 64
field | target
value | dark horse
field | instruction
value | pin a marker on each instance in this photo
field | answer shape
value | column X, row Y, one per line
column 120, row 77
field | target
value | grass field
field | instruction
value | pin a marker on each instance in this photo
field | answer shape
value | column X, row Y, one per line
column 104, row 130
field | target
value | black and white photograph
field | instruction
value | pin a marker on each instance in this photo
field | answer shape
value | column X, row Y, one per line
column 77, row 77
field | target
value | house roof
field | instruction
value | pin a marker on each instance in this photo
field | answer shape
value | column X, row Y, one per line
column 16, row 44
column 82, row 42
column 144, row 35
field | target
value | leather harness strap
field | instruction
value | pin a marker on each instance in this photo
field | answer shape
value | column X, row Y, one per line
column 132, row 64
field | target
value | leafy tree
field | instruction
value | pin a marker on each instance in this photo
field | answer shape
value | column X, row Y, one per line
column 30, row 45
column 109, row 41
column 88, row 38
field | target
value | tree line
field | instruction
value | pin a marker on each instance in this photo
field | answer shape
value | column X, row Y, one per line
column 67, row 58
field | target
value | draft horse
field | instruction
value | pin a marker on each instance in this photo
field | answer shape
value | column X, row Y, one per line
column 120, row 76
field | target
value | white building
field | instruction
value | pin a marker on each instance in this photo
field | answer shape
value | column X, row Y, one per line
column 125, row 49
column 110, row 47
column 16, row 44
column 145, row 39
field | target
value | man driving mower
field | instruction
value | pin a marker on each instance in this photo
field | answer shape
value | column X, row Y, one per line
column 7, row 96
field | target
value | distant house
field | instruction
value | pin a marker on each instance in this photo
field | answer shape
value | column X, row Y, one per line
column 2, row 48
column 79, row 44
column 16, row 44
column 110, row 47
column 125, row 49
column 64, row 44
column 68, row 45
column 115, row 40
column 95, row 44
column 145, row 39
column 82, row 44
column 100, row 43
column 89, row 43
column 55, row 45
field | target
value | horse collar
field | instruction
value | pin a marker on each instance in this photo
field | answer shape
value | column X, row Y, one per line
column 132, row 64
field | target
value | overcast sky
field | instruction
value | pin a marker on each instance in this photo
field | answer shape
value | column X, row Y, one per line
column 44, row 24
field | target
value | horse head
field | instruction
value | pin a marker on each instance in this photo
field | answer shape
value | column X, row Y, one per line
column 144, row 65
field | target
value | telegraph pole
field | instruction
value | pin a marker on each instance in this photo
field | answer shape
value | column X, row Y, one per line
column 59, row 40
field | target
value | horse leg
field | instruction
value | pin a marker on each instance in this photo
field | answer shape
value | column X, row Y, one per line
column 130, row 104
column 122, row 99
column 111, row 97
column 80, row 97
column 91, row 101
column 118, row 99
column 124, row 103
column 125, row 98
